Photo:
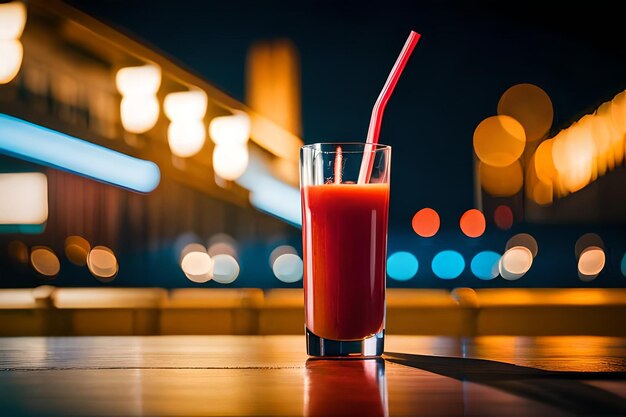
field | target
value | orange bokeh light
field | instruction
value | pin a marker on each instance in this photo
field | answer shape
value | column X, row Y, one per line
column 501, row 181
column 529, row 105
column 473, row 223
column 426, row 222
column 499, row 140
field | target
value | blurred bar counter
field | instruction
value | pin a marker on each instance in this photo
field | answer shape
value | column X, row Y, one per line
column 462, row 312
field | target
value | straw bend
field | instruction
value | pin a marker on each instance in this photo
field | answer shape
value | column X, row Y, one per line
column 379, row 108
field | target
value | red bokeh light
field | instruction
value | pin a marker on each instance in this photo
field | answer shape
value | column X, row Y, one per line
column 503, row 217
column 426, row 222
column 473, row 223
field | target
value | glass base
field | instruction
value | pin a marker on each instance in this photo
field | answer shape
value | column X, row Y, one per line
column 369, row 347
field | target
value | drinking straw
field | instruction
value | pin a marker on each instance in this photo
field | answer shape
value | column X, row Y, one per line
column 379, row 108
column 338, row 165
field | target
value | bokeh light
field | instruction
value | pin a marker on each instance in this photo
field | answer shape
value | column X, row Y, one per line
column 186, row 133
column 623, row 265
column 529, row 105
column 143, row 80
column 590, row 263
column 515, row 262
column 77, row 249
column 222, row 244
column 18, row 251
column 288, row 268
column 587, row 240
column 448, row 264
column 525, row 240
column 102, row 263
column 484, row 265
column 499, row 141
column 139, row 109
column 281, row 250
column 402, row 266
column 230, row 130
column 544, row 164
column 501, row 181
column 12, row 20
column 12, row 53
column 230, row 162
column 225, row 269
column 196, row 263
column 473, row 223
column 503, row 217
column 426, row 222
column 45, row 261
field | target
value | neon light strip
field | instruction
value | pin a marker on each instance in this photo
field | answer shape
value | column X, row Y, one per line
column 34, row 143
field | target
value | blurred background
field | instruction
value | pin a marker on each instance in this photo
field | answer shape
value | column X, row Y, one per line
column 155, row 144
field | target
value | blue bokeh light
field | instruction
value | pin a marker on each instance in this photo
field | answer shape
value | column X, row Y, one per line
column 623, row 266
column 448, row 264
column 485, row 265
column 402, row 266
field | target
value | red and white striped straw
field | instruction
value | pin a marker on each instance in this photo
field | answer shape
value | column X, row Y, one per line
column 379, row 108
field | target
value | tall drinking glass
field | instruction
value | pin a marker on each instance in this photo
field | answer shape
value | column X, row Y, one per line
column 344, row 232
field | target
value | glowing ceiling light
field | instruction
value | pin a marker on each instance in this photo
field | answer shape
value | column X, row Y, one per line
column 11, row 54
column 186, row 110
column 230, row 162
column 139, row 108
column 38, row 144
column 23, row 198
column 230, row 130
column 12, row 20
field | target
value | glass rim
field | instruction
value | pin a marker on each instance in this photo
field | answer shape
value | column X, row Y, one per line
column 316, row 146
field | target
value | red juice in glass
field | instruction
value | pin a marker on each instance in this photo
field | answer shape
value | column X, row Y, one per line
column 344, row 226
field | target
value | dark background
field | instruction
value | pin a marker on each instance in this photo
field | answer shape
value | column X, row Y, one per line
column 469, row 54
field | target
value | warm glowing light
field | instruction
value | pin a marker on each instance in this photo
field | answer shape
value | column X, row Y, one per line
column 139, row 113
column 501, row 181
column 12, row 20
column 186, row 138
column 503, row 217
column 230, row 162
column 544, row 164
column 186, row 134
column 591, row 262
column 402, row 266
column 288, row 268
column 143, row 80
column 515, row 262
column 529, row 105
column 18, row 251
column 197, row 264
column 77, row 249
column 11, row 54
column 45, row 261
column 484, row 265
column 226, row 269
column 185, row 105
column 102, row 263
column 499, row 141
column 573, row 153
column 140, row 106
column 448, row 264
column 281, row 250
column 34, row 143
column 472, row 223
column 587, row 240
column 426, row 222
column 524, row 240
column 618, row 112
column 23, row 198
column 230, row 130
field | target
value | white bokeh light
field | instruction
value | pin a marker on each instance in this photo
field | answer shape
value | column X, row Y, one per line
column 197, row 266
column 139, row 113
column 12, row 20
column 102, row 263
column 230, row 130
column 515, row 262
column 591, row 262
column 225, row 269
column 281, row 250
column 230, row 162
column 186, row 138
column 288, row 268
column 143, row 80
column 11, row 54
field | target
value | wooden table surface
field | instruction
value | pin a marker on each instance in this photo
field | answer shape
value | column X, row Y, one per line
column 272, row 376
